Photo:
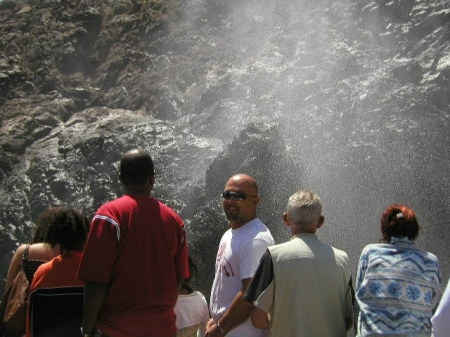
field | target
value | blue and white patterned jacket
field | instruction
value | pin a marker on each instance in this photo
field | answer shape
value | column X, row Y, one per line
column 398, row 287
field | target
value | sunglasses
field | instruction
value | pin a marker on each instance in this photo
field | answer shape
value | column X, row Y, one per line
column 239, row 196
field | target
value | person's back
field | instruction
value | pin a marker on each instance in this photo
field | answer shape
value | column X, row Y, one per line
column 311, row 285
column 135, row 256
column 38, row 252
column 399, row 280
column 192, row 314
column 29, row 257
column 143, row 278
column 398, row 285
column 68, row 234
column 58, row 272
column 302, row 287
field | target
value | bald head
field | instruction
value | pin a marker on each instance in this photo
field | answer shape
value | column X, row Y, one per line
column 136, row 167
column 245, row 180
column 239, row 211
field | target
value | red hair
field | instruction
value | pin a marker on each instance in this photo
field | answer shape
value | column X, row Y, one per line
column 399, row 220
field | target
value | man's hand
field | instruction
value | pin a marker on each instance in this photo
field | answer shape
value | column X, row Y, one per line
column 236, row 314
column 212, row 330
column 209, row 323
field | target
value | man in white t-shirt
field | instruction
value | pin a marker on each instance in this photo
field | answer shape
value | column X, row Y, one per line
column 240, row 251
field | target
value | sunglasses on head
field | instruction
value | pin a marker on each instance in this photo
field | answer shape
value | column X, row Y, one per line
column 236, row 195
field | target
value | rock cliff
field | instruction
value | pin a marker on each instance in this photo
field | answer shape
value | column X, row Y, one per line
column 347, row 97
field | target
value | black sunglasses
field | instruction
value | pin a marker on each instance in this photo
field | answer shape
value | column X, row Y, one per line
column 236, row 195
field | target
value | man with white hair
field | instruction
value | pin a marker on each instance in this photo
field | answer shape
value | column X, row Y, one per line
column 302, row 287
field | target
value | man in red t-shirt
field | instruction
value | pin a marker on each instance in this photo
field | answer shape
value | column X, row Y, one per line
column 135, row 258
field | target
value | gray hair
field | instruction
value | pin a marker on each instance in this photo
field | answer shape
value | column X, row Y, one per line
column 304, row 206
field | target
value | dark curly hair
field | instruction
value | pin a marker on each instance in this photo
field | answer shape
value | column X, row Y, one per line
column 63, row 226
column 40, row 233
column 399, row 220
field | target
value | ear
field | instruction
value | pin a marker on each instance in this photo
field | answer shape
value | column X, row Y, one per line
column 152, row 180
column 320, row 221
column 286, row 220
column 256, row 200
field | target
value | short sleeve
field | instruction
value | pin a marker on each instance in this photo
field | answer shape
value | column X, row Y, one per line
column 261, row 290
column 182, row 264
column 250, row 256
column 99, row 254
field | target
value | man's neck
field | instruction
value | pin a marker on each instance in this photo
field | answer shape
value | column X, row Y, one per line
column 296, row 230
column 137, row 189
column 236, row 225
column 303, row 232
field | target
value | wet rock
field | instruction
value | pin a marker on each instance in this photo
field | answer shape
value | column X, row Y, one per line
column 411, row 72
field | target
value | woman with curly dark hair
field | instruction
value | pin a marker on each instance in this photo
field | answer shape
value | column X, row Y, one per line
column 67, row 233
column 59, row 230
column 398, row 285
column 36, row 253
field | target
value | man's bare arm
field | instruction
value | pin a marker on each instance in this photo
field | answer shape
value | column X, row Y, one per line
column 94, row 294
column 260, row 318
column 236, row 314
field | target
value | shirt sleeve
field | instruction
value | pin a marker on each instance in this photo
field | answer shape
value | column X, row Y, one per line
column 250, row 256
column 362, row 267
column 261, row 289
column 99, row 254
column 181, row 260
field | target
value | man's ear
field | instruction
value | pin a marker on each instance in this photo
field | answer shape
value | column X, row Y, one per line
column 286, row 220
column 152, row 180
column 320, row 221
column 256, row 200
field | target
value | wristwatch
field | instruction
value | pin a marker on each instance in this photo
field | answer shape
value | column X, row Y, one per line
column 220, row 328
column 84, row 334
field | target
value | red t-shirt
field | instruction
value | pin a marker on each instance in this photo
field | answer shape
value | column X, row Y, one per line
column 137, row 246
column 59, row 272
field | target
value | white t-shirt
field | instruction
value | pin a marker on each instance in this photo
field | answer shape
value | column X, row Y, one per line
column 192, row 310
column 240, row 251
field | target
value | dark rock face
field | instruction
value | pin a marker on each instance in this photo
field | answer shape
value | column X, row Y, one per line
column 348, row 98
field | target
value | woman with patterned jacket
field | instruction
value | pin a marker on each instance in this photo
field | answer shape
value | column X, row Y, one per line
column 398, row 285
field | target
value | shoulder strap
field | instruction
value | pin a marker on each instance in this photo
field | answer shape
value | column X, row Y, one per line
column 25, row 254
